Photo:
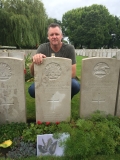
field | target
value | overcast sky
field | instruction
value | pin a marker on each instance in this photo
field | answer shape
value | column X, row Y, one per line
column 56, row 8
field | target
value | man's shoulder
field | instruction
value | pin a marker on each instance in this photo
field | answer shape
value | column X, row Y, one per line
column 66, row 45
column 45, row 44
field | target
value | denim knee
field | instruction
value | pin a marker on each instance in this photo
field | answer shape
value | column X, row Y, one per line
column 75, row 87
column 31, row 90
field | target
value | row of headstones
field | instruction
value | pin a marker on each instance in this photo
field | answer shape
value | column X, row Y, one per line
column 110, row 53
column 13, row 53
column 52, row 89
column 99, row 89
column 16, row 53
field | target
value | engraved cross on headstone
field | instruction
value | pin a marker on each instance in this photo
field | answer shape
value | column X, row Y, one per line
column 98, row 100
column 6, row 107
column 53, row 100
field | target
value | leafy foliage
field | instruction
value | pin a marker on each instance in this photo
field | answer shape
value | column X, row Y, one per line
column 30, row 133
column 95, row 138
column 22, row 149
column 28, row 61
column 23, row 23
column 91, row 27
column 9, row 131
column 97, row 135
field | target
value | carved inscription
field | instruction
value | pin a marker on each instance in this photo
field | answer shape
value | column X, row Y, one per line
column 53, row 71
column 101, row 69
column 5, row 72
column 51, row 116
column 53, row 101
column 98, row 100
column 8, row 101
column 6, row 107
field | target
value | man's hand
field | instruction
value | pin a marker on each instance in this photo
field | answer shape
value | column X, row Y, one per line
column 38, row 58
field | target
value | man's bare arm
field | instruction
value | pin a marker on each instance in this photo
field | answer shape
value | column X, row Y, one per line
column 37, row 59
column 73, row 70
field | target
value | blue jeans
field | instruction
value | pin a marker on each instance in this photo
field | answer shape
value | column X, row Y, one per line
column 75, row 88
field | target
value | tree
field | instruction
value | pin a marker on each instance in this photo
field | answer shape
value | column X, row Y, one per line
column 89, row 27
column 23, row 23
column 116, row 34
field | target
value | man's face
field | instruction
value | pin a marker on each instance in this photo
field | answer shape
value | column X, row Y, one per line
column 55, row 36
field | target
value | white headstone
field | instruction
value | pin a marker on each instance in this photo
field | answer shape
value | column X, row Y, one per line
column 77, row 52
column 3, row 53
column 83, row 52
column 12, row 90
column 90, row 53
column 53, row 90
column 99, row 80
column 94, row 53
column 109, row 54
column 17, row 54
column 118, row 55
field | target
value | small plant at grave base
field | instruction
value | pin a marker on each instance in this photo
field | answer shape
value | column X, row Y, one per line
column 30, row 133
column 11, row 130
column 57, row 123
column 22, row 149
column 47, row 123
column 39, row 122
column 94, row 137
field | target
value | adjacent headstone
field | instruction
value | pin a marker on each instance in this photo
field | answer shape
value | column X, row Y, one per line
column 98, row 53
column 87, row 52
column 53, row 90
column 118, row 55
column 83, row 52
column 12, row 90
column 90, row 53
column 117, row 110
column 77, row 51
column 99, row 81
column 17, row 54
column 94, row 53
column 104, row 53
column 3, row 53
column 113, row 53
column 109, row 54
column 118, row 98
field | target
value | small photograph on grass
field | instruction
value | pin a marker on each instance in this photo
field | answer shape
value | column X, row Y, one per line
column 48, row 145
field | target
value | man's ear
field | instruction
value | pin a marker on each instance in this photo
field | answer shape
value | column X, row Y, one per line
column 62, row 37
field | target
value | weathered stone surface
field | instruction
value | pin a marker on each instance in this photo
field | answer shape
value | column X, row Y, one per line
column 53, row 90
column 99, row 82
column 3, row 53
column 17, row 54
column 12, row 90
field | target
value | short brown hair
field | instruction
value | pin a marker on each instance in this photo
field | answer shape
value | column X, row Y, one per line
column 53, row 25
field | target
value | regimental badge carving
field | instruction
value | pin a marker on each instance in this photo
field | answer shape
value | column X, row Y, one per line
column 5, row 72
column 53, row 71
column 101, row 70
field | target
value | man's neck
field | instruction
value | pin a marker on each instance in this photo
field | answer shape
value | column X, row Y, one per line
column 56, row 48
